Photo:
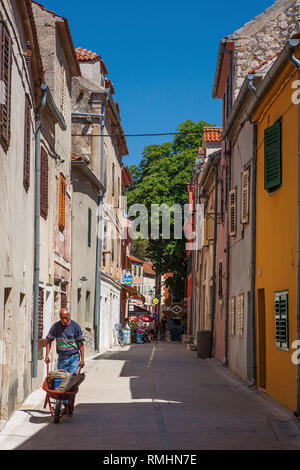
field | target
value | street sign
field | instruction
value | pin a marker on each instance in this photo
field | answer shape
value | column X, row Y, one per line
column 155, row 301
column 128, row 278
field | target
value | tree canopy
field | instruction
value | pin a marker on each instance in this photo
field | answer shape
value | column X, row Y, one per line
column 161, row 178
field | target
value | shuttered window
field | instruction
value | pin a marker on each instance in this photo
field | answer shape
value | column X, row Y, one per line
column 5, row 77
column 232, row 315
column 62, row 202
column 232, row 213
column 245, row 196
column 113, row 180
column 27, row 142
column 240, row 316
column 282, row 320
column 273, row 157
column 44, row 183
column 90, row 227
column 41, row 314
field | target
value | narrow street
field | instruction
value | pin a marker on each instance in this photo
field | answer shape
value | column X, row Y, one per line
column 158, row 397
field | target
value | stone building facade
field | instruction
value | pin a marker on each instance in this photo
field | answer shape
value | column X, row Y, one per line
column 61, row 65
column 89, row 97
column 21, row 75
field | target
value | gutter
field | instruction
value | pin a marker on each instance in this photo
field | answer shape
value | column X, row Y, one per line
column 100, row 231
column 296, row 62
column 37, row 242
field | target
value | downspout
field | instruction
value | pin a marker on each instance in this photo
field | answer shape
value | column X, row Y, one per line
column 213, row 297
column 100, row 230
column 36, row 282
column 253, row 365
column 296, row 62
column 226, row 329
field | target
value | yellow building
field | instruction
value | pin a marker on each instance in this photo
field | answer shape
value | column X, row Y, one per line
column 274, row 114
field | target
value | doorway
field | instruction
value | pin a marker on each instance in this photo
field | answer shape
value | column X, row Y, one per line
column 262, row 370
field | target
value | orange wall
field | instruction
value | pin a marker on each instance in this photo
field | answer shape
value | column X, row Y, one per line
column 277, row 236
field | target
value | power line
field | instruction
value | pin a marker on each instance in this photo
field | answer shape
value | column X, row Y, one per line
column 138, row 135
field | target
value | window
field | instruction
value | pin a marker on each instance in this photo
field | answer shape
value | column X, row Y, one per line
column 64, row 300
column 27, row 142
column 273, row 157
column 140, row 271
column 232, row 213
column 5, row 77
column 240, row 316
column 62, row 202
column 90, row 227
column 135, row 270
column 44, row 183
column 282, row 320
column 245, row 196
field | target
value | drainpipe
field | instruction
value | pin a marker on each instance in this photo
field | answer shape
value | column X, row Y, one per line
column 226, row 329
column 36, row 285
column 296, row 62
column 253, row 366
column 100, row 230
column 213, row 297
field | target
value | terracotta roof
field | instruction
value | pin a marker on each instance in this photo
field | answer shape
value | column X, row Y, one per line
column 76, row 158
column 255, row 69
column 148, row 268
column 84, row 55
column 137, row 260
column 212, row 134
column 109, row 84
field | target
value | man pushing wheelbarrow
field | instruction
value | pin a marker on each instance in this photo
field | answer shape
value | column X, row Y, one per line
column 70, row 349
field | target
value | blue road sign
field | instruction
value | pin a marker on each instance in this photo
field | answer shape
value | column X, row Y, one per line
column 128, row 278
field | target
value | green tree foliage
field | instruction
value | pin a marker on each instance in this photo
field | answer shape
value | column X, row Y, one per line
column 161, row 178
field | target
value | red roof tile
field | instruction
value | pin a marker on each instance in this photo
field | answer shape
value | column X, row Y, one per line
column 212, row 134
column 84, row 55
column 148, row 268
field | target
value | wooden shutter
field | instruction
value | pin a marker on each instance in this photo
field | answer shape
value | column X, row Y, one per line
column 113, row 180
column 232, row 213
column 62, row 202
column 90, row 228
column 245, row 196
column 27, row 144
column 5, row 75
column 273, row 157
column 282, row 320
column 232, row 315
column 44, row 183
column 41, row 314
column 240, row 315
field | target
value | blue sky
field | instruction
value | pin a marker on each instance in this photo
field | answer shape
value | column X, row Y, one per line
column 161, row 56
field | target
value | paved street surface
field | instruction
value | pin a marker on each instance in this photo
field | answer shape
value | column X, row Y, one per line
column 158, row 397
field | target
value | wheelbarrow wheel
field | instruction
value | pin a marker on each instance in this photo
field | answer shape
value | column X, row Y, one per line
column 57, row 413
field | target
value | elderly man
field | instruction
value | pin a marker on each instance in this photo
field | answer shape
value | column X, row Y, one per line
column 69, row 343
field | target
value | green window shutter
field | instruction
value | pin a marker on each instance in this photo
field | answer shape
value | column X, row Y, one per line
column 90, row 228
column 140, row 271
column 273, row 157
column 135, row 270
column 282, row 320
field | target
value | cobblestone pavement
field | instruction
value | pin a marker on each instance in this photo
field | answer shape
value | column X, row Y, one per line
column 157, row 397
